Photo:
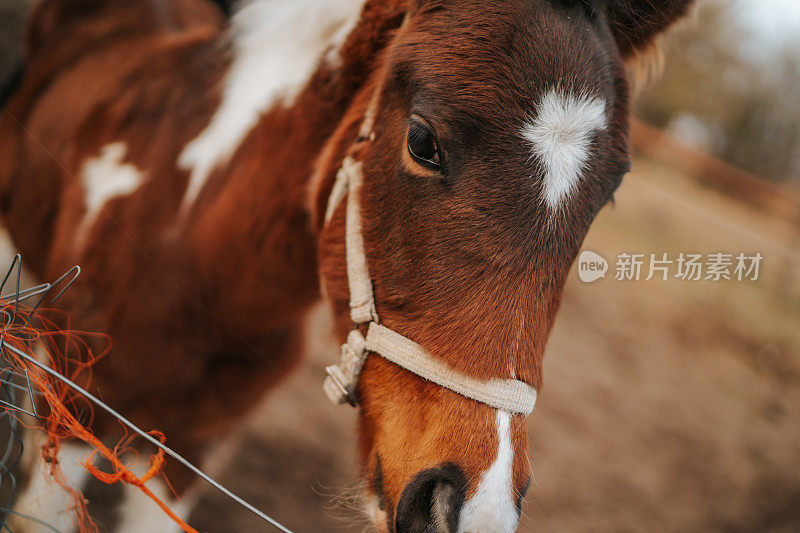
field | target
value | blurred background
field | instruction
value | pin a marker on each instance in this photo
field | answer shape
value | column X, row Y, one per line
column 668, row 405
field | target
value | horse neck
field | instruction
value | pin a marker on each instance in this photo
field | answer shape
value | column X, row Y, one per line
column 262, row 205
column 318, row 80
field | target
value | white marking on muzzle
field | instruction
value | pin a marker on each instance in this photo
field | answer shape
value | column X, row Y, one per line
column 492, row 508
column 561, row 137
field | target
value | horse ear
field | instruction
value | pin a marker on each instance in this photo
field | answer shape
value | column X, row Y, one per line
column 635, row 23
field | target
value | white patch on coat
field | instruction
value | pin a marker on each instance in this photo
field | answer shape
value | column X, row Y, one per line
column 139, row 513
column 277, row 46
column 492, row 509
column 45, row 499
column 106, row 177
column 561, row 137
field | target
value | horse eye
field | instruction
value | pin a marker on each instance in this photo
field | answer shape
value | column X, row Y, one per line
column 422, row 145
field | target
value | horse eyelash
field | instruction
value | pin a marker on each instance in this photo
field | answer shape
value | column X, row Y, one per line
column 416, row 134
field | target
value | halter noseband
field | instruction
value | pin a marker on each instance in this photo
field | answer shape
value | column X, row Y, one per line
column 509, row 395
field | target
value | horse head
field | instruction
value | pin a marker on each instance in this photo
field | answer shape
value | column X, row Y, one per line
column 487, row 138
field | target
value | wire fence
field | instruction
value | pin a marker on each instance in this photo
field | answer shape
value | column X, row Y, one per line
column 31, row 388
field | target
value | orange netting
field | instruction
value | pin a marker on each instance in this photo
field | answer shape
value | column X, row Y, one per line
column 70, row 353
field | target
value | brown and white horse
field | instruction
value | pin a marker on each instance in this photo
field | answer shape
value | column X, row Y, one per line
column 187, row 163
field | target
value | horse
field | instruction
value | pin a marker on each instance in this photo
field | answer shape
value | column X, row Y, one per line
column 428, row 167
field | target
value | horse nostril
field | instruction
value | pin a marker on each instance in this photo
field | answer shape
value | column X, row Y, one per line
column 432, row 502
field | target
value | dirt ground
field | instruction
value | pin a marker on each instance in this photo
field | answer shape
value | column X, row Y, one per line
column 667, row 406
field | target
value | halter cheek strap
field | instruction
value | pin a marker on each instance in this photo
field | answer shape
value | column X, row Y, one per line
column 509, row 395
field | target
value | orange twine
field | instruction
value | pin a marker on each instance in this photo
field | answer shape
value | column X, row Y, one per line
column 59, row 422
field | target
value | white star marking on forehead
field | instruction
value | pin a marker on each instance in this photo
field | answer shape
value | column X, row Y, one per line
column 561, row 137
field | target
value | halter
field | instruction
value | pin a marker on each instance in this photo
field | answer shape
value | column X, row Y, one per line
column 509, row 395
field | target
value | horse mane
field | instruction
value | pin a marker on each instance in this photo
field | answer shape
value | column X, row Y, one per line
column 50, row 21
